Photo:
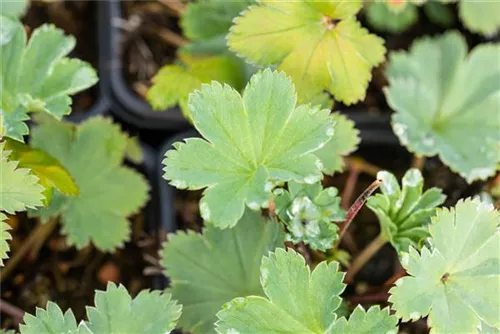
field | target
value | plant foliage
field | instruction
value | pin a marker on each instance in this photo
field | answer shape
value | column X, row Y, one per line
column 115, row 312
column 210, row 269
column 309, row 212
column 37, row 76
column 299, row 302
column 480, row 16
column 384, row 17
column 93, row 153
column 14, row 8
column 252, row 143
column 404, row 214
column 320, row 45
column 446, row 103
column 4, row 238
column 455, row 281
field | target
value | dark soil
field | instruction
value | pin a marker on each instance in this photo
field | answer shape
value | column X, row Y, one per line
column 77, row 18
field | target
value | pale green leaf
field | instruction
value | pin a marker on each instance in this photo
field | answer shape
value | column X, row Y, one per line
column 456, row 282
column 298, row 302
column 115, row 312
column 173, row 83
column 51, row 321
column 36, row 76
column 14, row 8
column 380, row 16
column 481, row 17
column 93, row 153
column 446, row 103
column 439, row 13
column 319, row 44
column 310, row 213
column 133, row 150
column 4, row 238
column 19, row 189
column 404, row 214
column 209, row 269
column 252, row 143
column 345, row 140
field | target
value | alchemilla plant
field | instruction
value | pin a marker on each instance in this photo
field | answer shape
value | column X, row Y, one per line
column 277, row 253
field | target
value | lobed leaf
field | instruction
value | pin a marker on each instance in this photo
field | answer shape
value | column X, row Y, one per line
column 446, row 103
column 480, row 16
column 455, row 282
column 4, row 238
column 51, row 321
column 319, row 44
column 36, row 76
column 404, row 214
column 381, row 16
column 93, row 153
column 309, row 212
column 14, row 8
column 252, row 143
column 298, row 302
column 19, row 189
column 210, row 269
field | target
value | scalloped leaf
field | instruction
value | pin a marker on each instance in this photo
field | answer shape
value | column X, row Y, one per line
column 252, row 143
column 481, row 17
column 4, row 238
column 456, row 282
column 14, row 8
column 19, row 189
column 309, row 212
column 299, row 302
column 319, row 44
column 37, row 76
column 93, row 153
column 404, row 215
column 209, row 269
column 382, row 17
column 345, row 140
column 173, row 83
column 446, row 103
column 115, row 313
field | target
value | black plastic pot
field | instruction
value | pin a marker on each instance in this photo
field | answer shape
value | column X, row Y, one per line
column 125, row 104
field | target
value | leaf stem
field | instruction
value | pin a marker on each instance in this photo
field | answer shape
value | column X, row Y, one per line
column 177, row 7
column 365, row 255
column 12, row 310
column 418, row 162
column 356, row 206
column 36, row 238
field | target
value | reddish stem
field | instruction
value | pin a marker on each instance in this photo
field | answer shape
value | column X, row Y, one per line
column 11, row 310
column 378, row 297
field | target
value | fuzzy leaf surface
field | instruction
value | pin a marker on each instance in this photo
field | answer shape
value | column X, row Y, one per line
column 37, row 76
column 210, row 269
column 4, row 238
column 345, row 140
column 456, row 282
column 298, row 301
column 480, row 16
column 404, row 214
column 173, row 83
column 446, row 103
column 251, row 143
column 93, row 154
column 319, row 44
column 51, row 320
column 19, row 189
column 310, row 213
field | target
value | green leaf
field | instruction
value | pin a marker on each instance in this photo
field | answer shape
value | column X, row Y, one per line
column 480, row 16
column 49, row 170
column 299, row 302
column 252, row 143
column 37, row 76
column 133, row 151
column 404, row 215
column 383, row 18
column 19, row 189
column 14, row 8
column 5, row 237
column 319, row 44
column 51, row 321
column 309, row 212
column 210, row 269
column 116, row 312
column 204, row 20
column 439, row 13
column 93, row 153
column 456, row 283
column 447, row 103
column 344, row 141
column 173, row 83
